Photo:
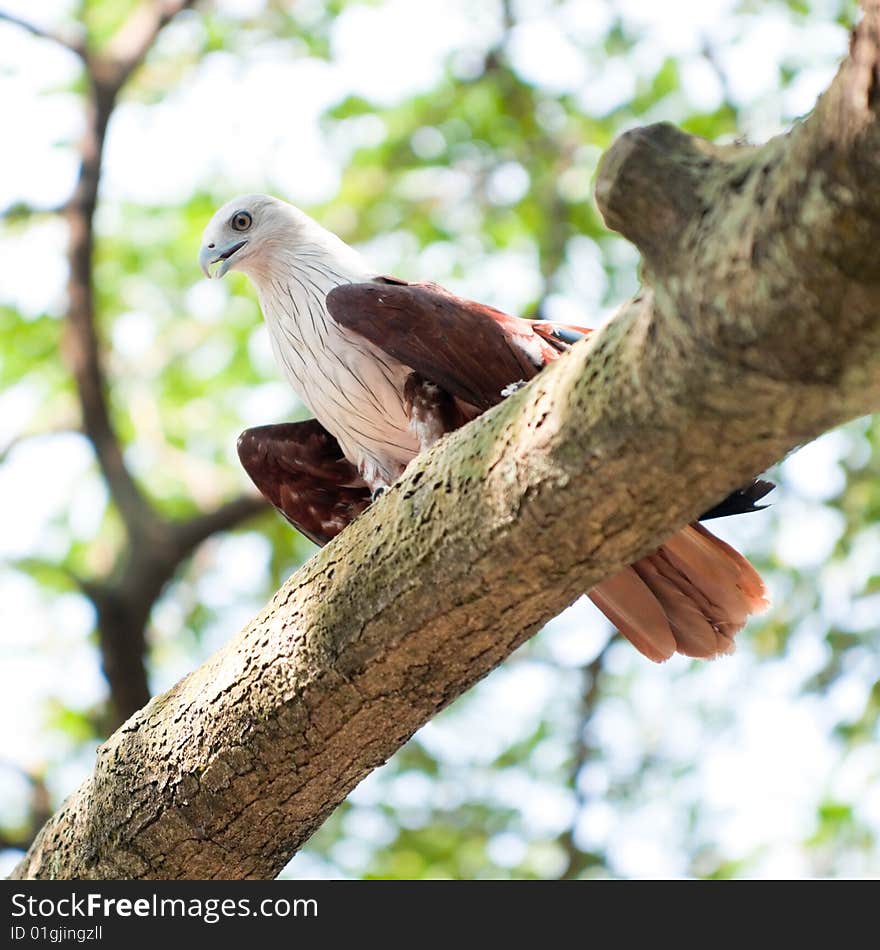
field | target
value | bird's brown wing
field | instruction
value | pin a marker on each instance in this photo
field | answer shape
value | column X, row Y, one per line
column 300, row 468
column 694, row 593
column 471, row 351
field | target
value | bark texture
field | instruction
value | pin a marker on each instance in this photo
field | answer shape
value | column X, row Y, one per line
column 758, row 329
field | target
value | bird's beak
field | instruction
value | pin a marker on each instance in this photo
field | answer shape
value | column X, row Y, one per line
column 210, row 254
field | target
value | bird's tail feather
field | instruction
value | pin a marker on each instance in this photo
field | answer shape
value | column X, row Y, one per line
column 691, row 596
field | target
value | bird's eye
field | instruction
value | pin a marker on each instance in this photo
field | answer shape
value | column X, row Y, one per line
column 241, row 221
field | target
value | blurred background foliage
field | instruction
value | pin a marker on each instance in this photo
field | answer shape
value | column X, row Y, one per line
column 455, row 142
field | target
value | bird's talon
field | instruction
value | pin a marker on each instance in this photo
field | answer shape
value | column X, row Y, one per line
column 378, row 493
column 513, row 388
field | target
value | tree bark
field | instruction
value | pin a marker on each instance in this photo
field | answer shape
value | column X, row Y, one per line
column 757, row 330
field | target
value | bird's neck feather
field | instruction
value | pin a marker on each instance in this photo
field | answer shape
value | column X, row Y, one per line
column 293, row 284
column 303, row 248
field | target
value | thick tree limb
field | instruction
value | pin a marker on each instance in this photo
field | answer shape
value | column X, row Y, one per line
column 760, row 330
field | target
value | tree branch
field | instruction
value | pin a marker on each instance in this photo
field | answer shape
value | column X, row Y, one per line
column 123, row 605
column 107, row 72
column 20, row 438
column 189, row 535
column 81, row 348
column 577, row 861
column 21, row 211
column 128, row 48
column 155, row 548
column 761, row 329
column 76, row 46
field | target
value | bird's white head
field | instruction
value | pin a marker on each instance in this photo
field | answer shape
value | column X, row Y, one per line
column 261, row 235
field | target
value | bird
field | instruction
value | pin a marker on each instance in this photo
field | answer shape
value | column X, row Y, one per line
column 388, row 367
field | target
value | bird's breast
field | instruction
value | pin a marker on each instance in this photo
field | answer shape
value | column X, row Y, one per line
column 354, row 389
